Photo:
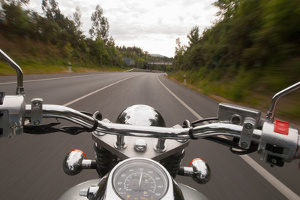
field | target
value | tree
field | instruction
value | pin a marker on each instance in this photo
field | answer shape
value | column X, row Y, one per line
column 15, row 2
column 111, row 41
column 194, row 36
column 178, row 45
column 76, row 18
column 179, row 54
column 100, row 26
column 51, row 9
column 16, row 20
column 227, row 7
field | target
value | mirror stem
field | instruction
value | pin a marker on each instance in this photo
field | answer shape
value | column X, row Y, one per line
column 20, row 88
column 277, row 96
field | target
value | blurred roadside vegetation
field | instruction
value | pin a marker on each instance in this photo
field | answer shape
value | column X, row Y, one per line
column 251, row 52
column 48, row 42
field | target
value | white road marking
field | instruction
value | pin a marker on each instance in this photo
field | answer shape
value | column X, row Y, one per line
column 129, row 70
column 47, row 79
column 283, row 189
column 182, row 102
column 89, row 94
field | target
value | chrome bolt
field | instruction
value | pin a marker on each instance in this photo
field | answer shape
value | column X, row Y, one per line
column 90, row 193
column 274, row 161
column 244, row 145
column 248, row 126
column 140, row 145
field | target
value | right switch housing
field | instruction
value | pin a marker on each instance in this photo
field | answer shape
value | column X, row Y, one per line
column 277, row 147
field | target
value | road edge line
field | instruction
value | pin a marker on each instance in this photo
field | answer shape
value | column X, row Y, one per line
column 47, row 79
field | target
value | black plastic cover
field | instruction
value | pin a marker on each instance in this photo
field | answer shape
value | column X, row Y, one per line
column 274, row 149
column 274, row 160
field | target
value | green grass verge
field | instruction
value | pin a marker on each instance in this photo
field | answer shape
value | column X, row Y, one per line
column 42, row 68
column 42, row 58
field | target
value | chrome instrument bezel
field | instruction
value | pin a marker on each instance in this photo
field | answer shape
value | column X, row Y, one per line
column 110, row 193
column 140, row 162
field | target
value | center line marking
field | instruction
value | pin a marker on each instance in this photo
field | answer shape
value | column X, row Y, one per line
column 283, row 189
column 89, row 94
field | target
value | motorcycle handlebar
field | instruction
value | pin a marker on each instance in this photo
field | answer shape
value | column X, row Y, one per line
column 272, row 146
column 213, row 129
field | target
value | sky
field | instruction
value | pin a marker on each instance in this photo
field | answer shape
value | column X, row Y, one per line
column 152, row 25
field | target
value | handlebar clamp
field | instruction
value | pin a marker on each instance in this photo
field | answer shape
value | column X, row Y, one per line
column 36, row 111
column 247, row 117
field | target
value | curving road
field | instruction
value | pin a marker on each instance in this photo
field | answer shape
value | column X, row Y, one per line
column 31, row 166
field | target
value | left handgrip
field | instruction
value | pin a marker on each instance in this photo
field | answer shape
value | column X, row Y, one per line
column 12, row 112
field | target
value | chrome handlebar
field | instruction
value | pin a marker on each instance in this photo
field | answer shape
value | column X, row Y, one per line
column 275, row 148
column 213, row 129
column 233, row 121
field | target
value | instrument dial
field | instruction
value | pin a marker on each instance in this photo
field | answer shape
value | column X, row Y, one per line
column 140, row 180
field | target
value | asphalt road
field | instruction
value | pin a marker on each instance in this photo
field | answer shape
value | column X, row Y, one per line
column 31, row 166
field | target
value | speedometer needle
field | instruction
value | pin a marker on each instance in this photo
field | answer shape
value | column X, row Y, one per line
column 140, row 180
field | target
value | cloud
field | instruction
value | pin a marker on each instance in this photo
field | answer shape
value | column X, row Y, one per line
column 152, row 25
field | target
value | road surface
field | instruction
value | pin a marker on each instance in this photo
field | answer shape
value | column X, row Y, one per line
column 31, row 166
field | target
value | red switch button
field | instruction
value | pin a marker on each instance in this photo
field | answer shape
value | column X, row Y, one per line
column 281, row 127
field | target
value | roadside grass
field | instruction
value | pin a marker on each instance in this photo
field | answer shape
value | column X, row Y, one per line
column 41, row 58
column 35, row 68
column 241, row 87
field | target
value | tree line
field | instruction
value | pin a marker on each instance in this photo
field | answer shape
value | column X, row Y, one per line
column 252, row 35
column 53, row 27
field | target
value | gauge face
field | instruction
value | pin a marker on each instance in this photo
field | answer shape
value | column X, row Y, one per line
column 140, row 180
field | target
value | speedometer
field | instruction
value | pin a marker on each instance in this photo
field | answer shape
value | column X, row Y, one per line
column 140, row 179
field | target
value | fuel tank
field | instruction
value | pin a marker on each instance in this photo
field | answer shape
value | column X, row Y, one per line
column 73, row 193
